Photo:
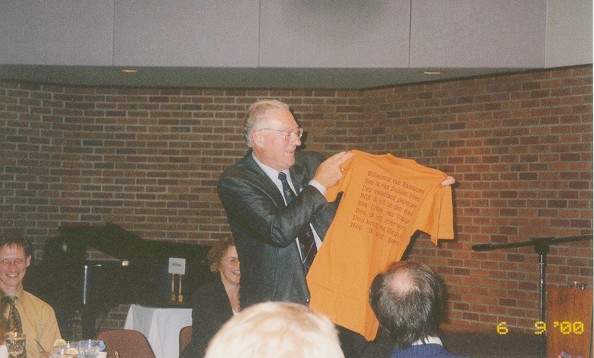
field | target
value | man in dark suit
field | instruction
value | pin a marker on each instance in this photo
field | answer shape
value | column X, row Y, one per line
column 269, row 227
column 279, row 222
column 409, row 302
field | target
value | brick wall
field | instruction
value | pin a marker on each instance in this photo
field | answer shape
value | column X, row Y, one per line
column 148, row 160
column 521, row 149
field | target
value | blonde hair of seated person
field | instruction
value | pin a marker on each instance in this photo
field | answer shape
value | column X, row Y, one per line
column 276, row 329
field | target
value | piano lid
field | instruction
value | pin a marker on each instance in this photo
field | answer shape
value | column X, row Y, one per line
column 110, row 239
column 68, row 281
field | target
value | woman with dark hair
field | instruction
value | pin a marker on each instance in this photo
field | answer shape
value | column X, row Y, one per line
column 217, row 301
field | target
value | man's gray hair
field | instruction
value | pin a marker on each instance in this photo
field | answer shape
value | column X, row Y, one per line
column 256, row 113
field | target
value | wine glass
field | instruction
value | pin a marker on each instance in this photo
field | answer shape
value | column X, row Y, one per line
column 15, row 343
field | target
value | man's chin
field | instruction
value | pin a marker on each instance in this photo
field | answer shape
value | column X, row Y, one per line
column 291, row 161
column 9, row 286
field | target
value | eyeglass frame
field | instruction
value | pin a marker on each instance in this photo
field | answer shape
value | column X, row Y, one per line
column 298, row 132
column 16, row 262
column 231, row 260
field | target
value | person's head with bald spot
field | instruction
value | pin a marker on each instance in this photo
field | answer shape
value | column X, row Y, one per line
column 408, row 300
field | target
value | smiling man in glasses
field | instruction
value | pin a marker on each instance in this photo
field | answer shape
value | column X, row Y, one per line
column 33, row 316
column 275, row 205
column 277, row 221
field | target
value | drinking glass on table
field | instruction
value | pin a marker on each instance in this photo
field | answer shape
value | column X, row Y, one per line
column 15, row 343
column 61, row 353
column 89, row 348
column 68, row 350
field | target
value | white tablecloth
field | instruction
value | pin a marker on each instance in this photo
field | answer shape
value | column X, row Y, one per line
column 161, row 327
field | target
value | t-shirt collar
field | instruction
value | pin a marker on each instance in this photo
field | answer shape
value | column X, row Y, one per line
column 428, row 340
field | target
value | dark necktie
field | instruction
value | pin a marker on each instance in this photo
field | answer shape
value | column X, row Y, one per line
column 307, row 242
column 14, row 319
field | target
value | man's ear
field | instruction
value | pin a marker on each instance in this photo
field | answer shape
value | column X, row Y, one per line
column 257, row 138
column 28, row 260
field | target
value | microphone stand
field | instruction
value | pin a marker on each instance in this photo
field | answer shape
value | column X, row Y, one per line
column 541, row 246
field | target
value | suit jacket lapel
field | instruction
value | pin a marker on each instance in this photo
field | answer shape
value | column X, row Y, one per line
column 298, row 177
column 261, row 179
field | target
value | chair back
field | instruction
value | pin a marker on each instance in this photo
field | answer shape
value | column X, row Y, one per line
column 185, row 336
column 128, row 343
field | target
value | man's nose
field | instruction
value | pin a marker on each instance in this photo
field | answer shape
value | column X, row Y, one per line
column 295, row 140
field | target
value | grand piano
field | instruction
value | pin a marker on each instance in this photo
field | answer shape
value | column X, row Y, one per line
column 135, row 271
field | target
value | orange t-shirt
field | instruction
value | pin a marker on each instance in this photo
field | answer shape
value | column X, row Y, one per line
column 385, row 200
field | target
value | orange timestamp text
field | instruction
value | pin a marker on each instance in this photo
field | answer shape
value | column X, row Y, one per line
column 564, row 327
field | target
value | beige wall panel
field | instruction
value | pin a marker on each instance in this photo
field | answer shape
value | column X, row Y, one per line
column 56, row 32
column 569, row 32
column 334, row 33
column 202, row 33
column 478, row 33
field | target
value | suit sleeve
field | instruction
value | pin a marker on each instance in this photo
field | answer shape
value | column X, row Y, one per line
column 253, row 202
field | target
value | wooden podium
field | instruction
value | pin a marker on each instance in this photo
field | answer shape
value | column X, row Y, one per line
column 569, row 321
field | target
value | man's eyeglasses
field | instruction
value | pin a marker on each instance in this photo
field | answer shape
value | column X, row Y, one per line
column 16, row 262
column 298, row 132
